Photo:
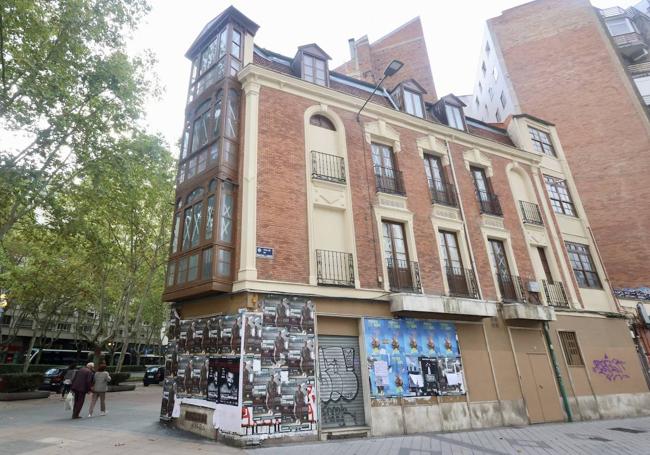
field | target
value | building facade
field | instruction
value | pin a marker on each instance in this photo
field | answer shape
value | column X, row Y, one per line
column 394, row 269
column 587, row 71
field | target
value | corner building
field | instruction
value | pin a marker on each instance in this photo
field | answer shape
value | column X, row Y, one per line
column 393, row 271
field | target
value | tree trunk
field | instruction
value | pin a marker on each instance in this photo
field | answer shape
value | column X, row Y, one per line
column 28, row 357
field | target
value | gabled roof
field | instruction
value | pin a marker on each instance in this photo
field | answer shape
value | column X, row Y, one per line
column 314, row 49
column 410, row 83
column 229, row 14
column 454, row 98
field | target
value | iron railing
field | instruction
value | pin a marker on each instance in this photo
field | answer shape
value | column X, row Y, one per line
column 403, row 276
column 555, row 294
column 512, row 290
column 461, row 282
column 334, row 268
column 530, row 213
column 327, row 167
column 389, row 180
column 443, row 193
column 489, row 203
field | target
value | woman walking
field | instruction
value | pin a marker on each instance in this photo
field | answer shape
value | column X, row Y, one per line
column 100, row 386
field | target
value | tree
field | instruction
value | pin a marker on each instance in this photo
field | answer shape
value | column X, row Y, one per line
column 68, row 91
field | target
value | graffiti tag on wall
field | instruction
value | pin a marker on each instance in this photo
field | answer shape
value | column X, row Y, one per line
column 612, row 369
column 339, row 385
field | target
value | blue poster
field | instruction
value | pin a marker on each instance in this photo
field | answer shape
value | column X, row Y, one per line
column 396, row 349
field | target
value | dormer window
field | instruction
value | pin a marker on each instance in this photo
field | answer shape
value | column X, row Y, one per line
column 413, row 103
column 541, row 141
column 313, row 70
column 454, row 116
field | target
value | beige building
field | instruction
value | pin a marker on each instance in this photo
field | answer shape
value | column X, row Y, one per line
column 392, row 268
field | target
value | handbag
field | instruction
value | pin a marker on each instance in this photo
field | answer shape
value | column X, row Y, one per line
column 69, row 402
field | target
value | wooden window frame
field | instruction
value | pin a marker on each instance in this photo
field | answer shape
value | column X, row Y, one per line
column 542, row 141
column 326, row 80
column 580, row 256
column 555, row 189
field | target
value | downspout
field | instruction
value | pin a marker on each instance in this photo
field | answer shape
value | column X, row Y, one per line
column 558, row 376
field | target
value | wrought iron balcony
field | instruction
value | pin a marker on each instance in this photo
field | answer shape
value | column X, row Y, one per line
column 461, row 282
column 530, row 213
column 489, row 203
column 334, row 268
column 327, row 167
column 554, row 293
column 513, row 291
column 443, row 193
column 403, row 276
column 389, row 180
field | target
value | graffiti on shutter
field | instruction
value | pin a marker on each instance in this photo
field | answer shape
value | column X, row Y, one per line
column 340, row 382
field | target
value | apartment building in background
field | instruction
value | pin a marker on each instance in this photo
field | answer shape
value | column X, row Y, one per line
column 587, row 71
column 388, row 268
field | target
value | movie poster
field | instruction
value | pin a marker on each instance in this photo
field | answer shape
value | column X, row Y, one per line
column 253, row 334
column 230, row 340
column 213, row 330
column 301, row 316
column 199, row 376
column 173, row 328
column 396, row 349
column 250, row 366
column 199, row 332
column 276, row 311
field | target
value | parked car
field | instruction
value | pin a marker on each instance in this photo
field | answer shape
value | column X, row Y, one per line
column 153, row 375
column 53, row 379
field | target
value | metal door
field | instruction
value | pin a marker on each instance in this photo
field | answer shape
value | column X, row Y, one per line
column 339, row 380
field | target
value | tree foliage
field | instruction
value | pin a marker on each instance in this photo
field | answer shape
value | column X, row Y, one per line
column 85, row 195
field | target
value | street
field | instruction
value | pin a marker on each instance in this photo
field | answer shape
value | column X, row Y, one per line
column 131, row 427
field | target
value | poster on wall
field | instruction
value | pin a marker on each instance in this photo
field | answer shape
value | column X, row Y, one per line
column 410, row 357
column 199, row 376
column 184, row 377
column 253, row 334
column 223, row 380
column 168, row 398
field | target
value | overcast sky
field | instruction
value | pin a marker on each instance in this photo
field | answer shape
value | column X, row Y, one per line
column 453, row 32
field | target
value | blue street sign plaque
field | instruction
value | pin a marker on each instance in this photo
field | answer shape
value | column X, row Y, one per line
column 264, row 252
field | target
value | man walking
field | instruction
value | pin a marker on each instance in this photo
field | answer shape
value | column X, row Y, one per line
column 81, row 385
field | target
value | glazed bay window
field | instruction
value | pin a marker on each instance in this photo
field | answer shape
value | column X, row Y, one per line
column 206, row 267
column 583, row 265
column 224, row 263
column 226, row 214
column 413, row 103
column 559, row 196
column 313, row 70
column 541, row 142
column 193, row 267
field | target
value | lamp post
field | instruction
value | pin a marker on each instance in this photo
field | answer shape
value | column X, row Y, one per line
column 392, row 68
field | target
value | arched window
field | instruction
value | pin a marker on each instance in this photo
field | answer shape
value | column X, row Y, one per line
column 194, row 195
column 322, row 121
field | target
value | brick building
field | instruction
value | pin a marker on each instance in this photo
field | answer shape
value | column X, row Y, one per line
column 587, row 71
column 390, row 268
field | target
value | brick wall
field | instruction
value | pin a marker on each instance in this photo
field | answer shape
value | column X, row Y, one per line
column 563, row 70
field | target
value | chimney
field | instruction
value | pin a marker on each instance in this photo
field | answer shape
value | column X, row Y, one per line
column 353, row 53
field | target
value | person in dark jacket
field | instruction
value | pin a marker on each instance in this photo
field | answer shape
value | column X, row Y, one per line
column 81, row 385
column 67, row 379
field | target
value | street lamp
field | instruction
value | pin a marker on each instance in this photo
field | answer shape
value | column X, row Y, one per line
column 392, row 68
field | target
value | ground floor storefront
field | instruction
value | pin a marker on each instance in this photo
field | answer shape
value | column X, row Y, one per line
column 253, row 368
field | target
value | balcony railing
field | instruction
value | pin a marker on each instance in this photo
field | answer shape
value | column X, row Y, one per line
column 555, row 294
column 461, row 282
column 327, row 167
column 389, row 180
column 489, row 203
column 443, row 193
column 530, row 213
column 403, row 276
column 629, row 39
column 334, row 268
column 512, row 290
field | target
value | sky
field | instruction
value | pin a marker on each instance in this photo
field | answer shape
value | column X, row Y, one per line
column 453, row 33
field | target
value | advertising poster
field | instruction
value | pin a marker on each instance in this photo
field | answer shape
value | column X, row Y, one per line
column 300, row 356
column 230, row 339
column 253, row 334
column 184, row 377
column 223, row 380
column 409, row 357
column 199, row 332
column 250, row 366
column 199, row 376
column 182, row 336
column 168, row 398
column 301, row 316
column 211, row 341
column 173, row 328
column 274, row 346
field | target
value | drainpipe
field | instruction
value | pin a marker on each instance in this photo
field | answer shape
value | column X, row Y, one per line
column 558, row 376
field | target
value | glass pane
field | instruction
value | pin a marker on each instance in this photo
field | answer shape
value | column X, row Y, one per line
column 225, row 223
column 223, row 265
column 209, row 217
column 177, row 222
column 182, row 271
column 186, row 228
column 191, row 168
column 232, row 120
column 206, row 272
column 230, row 154
column 196, row 226
column 223, row 42
column 200, row 165
column 186, row 140
column 171, row 270
column 193, row 267
column 388, row 245
column 217, row 115
column 236, row 43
